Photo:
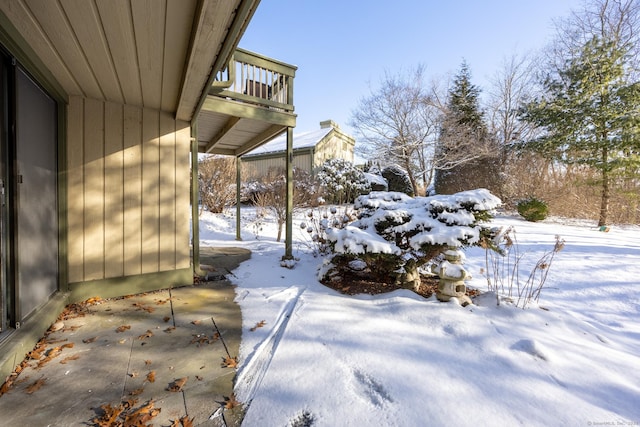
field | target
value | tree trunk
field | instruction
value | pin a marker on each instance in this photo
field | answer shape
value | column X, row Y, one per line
column 604, row 202
column 412, row 178
column 280, row 224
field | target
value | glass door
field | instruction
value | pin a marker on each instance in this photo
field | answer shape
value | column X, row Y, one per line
column 5, row 308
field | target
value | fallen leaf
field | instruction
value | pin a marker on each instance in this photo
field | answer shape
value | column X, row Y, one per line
column 93, row 300
column 143, row 307
column 36, row 353
column 48, row 341
column 186, row 422
column 123, row 328
column 56, row 326
column 69, row 358
column 169, row 329
column 147, row 334
column 136, row 392
column 151, row 376
column 35, row 386
column 89, row 340
column 51, row 354
column 177, row 385
column 147, row 362
column 231, row 402
column 110, row 416
column 166, row 318
column 202, row 339
column 6, row 386
column 142, row 415
column 196, row 322
column 230, row 362
column 129, row 403
column 199, row 378
column 260, row 324
column 133, row 374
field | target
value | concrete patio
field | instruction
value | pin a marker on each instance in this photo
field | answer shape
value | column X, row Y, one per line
column 166, row 355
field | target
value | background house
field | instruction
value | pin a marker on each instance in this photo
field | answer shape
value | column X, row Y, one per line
column 310, row 150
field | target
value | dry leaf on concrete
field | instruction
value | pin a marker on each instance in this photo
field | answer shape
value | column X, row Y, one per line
column 178, row 384
column 230, row 362
column 69, row 358
column 147, row 334
column 35, row 386
column 231, row 402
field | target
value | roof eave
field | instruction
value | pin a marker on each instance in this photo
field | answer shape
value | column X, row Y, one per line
column 191, row 98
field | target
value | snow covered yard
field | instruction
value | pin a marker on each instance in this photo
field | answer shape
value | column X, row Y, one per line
column 311, row 356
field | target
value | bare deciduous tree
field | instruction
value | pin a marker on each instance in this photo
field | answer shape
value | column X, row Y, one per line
column 216, row 180
column 616, row 20
column 398, row 124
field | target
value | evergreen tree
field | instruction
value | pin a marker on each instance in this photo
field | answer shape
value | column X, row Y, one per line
column 591, row 114
column 466, row 155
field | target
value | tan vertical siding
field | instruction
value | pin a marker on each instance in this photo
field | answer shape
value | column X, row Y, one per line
column 302, row 162
column 128, row 195
column 132, row 190
column 167, row 225
column 113, row 191
column 75, row 193
column 150, row 190
column 93, row 189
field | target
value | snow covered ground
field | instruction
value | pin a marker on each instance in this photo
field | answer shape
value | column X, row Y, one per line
column 326, row 359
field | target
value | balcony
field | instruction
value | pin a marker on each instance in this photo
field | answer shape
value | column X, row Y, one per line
column 249, row 103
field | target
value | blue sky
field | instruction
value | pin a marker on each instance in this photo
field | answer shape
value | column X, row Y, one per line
column 342, row 48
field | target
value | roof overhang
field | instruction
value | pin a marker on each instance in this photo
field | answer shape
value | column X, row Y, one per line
column 149, row 53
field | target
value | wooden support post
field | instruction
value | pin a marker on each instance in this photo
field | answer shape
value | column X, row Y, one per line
column 238, row 186
column 195, row 199
column 288, row 242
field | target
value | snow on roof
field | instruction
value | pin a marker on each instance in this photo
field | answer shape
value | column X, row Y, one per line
column 300, row 140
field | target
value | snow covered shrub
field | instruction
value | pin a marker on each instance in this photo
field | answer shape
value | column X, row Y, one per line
column 397, row 180
column 216, row 181
column 395, row 234
column 342, row 181
column 533, row 209
column 504, row 264
column 318, row 221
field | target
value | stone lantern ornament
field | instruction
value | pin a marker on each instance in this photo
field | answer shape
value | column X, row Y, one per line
column 452, row 276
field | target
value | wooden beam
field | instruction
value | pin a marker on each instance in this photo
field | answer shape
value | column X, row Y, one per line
column 264, row 136
column 248, row 111
column 222, row 151
column 228, row 126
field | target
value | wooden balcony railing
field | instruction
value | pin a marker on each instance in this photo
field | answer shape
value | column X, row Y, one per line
column 255, row 79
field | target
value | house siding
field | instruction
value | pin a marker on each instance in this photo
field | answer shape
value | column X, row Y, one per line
column 257, row 168
column 128, row 191
column 335, row 145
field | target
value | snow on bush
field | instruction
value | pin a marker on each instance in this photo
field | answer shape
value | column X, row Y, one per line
column 396, row 234
column 397, row 179
column 342, row 181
